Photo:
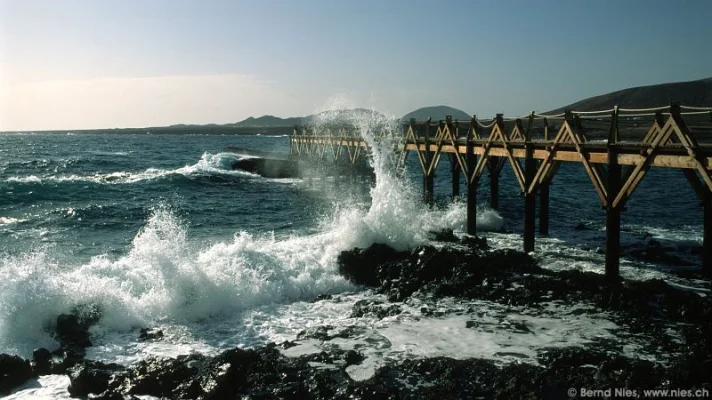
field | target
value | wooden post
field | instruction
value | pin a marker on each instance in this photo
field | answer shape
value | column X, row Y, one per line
column 544, row 208
column 613, row 214
column 707, row 234
column 428, row 178
column 455, row 167
column 471, row 161
column 455, row 180
column 613, row 219
column 530, row 166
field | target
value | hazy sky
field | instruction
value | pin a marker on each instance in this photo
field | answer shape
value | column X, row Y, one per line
column 75, row 64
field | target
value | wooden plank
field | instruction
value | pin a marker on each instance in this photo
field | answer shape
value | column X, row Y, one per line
column 594, row 157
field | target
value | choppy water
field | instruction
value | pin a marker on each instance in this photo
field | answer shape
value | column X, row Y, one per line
column 160, row 232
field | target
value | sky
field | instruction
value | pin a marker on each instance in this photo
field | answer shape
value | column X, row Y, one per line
column 81, row 64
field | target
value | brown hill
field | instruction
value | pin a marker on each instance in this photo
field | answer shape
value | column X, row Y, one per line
column 692, row 93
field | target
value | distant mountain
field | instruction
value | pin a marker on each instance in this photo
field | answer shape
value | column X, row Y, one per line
column 692, row 93
column 437, row 113
column 268, row 121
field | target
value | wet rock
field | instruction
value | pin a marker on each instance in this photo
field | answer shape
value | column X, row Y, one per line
column 71, row 332
column 14, row 371
column 362, row 266
column 353, row 357
column 268, row 167
column 42, row 361
column 265, row 373
column 474, row 242
column 445, row 235
column 475, row 272
column 150, row 334
column 375, row 309
column 90, row 377
column 320, row 333
column 440, row 271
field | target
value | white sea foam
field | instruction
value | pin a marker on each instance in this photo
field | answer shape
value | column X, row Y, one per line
column 10, row 220
column 47, row 387
column 25, row 179
column 166, row 279
column 209, row 164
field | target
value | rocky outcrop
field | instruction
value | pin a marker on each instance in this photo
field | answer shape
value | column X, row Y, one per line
column 266, row 373
column 14, row 371
column 466, row 269
column 72, row 332
column 269, row 168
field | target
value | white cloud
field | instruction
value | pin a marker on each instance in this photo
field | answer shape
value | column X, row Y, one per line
column 138, row 102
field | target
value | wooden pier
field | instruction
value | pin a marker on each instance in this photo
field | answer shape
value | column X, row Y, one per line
column 616, row 147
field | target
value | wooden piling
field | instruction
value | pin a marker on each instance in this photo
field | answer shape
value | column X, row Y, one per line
column 530, row 166
column 454, row 165
column 455, row 180
column 613, row 217
column 472, row 182
column 428, row 177
column 613, row 210
column 707, row 234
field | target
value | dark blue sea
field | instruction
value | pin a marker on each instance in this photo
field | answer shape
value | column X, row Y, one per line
column 159, row 231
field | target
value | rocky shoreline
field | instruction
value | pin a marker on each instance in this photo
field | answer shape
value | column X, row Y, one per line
column 462, row 268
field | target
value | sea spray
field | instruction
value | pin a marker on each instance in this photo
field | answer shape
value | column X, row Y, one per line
column 164, row 279
column 167, row 278
column 396, row 215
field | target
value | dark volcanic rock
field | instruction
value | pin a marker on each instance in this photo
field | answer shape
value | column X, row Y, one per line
column 445, row 235
column 42, row 361
column 90, row 377
column 265, row 373
column 72, row 331
column 374, row 308
column 441, row 271
column 362, row 266
column 14, row 371
column 269, row 167
column 150, row 334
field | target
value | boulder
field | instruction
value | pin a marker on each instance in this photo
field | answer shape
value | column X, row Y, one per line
column 14, row 371
column 42, row 361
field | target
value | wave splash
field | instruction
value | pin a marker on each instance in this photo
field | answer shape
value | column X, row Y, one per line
column 167, row 278
column 209, row 165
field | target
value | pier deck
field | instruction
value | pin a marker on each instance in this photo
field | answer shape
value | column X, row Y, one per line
column 616, row 147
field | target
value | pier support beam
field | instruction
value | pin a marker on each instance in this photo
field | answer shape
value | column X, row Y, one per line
column 530, row 166
column 455, row 180
column 428, row 189
column 707, row 235
column 613, row 218
column 544, row 209
column 471, row 191
column 428, row 178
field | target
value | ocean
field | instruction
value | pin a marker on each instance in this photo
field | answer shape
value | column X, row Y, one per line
column 160, row 232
